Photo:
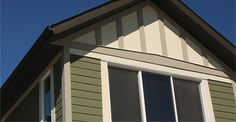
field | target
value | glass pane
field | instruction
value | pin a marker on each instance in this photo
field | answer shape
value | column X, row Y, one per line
column 158, row 97
column 188, row 100
column 124, row 95
column 47, row 99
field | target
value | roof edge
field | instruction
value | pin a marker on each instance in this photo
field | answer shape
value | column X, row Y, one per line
column 47, row 32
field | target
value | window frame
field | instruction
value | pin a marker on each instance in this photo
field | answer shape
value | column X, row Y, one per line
column 203, row 88
column 48, row 74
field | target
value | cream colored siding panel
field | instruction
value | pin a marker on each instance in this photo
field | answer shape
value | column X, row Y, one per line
column 131, row 32
column 109, row 35
column 213, row 64
column 194, row 52
column 173, row 41
column 88, row 38
column 151, row 30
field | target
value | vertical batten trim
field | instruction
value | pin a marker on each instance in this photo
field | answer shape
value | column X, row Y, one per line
column 66, row 87
column 106, row 104
column 204, row 58
column 141, row 30
column 119, row 33
column 141, row 97
column 184, row 46
column 162, row 35
column 98, row 36
column 206, row 102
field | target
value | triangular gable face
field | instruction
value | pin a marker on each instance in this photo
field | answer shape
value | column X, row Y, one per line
column 147, row 29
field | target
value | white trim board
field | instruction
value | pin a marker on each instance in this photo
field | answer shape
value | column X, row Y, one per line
column 106, row 104
column 66, row 87
column 126, row 63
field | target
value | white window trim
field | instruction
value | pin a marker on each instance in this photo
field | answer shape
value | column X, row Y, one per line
column 106, row 104
column 177, row 73
column 173, row 97
column 141, row 97
column 49, row 74
column 207, row 109
column 155, row 68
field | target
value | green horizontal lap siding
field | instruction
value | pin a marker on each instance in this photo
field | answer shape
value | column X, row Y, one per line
column 86, row 92
column 57, row 72
column 223, row 101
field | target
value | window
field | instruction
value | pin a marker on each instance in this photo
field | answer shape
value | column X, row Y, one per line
column 47, row 100
column 158, row 97
column 187, row 100
column 165, row 98
column 124, row 95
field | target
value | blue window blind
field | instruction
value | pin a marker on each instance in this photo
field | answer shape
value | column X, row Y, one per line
column 158, row 97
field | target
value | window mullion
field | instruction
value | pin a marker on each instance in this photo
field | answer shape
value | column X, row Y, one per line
column 173, row 96
column 141, row 97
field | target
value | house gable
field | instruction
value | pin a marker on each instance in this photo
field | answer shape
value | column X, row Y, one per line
column 140, row 36
column 146, row 28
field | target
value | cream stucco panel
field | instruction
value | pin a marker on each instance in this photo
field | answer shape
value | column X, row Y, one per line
column 131, row 32
column 88, row 38
column 213, row 64
column 173, row 41
column 194, row 52
column 151, row 30
column 109, row 35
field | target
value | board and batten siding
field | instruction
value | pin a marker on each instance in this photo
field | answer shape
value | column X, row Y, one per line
column 86, row 91
column 223, row 101
column 146, row 28
column 28, row 109
column 57, row 74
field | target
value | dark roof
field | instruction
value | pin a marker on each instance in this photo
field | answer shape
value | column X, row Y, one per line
column 42, row 52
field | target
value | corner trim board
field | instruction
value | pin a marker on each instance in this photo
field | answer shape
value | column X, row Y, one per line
column 106, row 104
column 66, row 87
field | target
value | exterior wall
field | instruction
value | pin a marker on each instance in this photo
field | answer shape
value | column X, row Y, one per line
column 28, row 109
column 57, row 74
column 142, row 37
column 88, row 38
column 146, row 28
column 86, row 89
column 152, row 30
column 130, row 32
column 109, row 35
column 173, row 41
column 125, row 59
column 223, row 100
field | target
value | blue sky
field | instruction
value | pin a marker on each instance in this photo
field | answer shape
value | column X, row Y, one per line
column 22, row 21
